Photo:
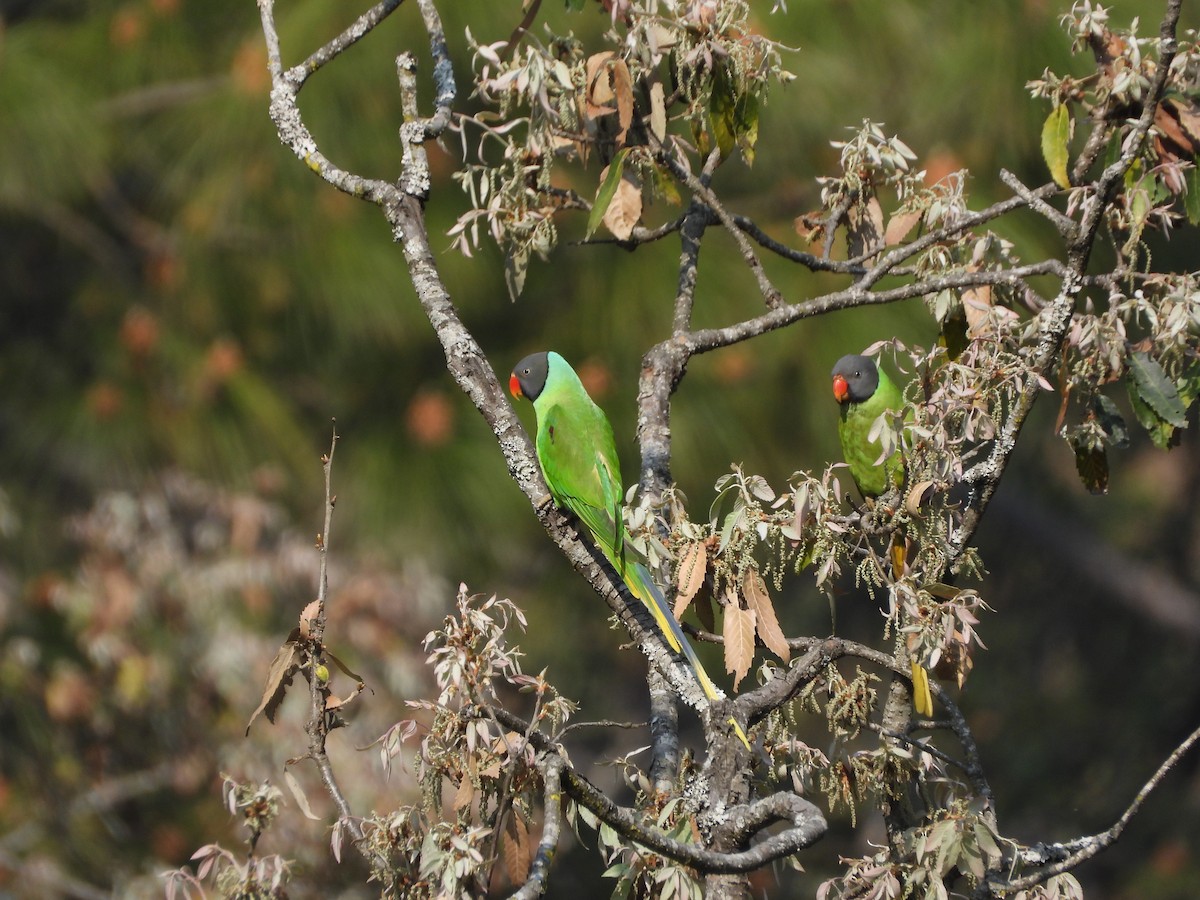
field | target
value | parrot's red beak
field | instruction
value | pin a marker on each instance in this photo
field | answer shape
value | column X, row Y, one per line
column 841, row 390
column 514, row 386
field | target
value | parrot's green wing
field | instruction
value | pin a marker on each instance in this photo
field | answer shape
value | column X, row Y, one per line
column 578, row 459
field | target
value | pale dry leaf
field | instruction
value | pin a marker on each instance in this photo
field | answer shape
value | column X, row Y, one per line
column 689, row 578
column 622, row 88
column 465, row 794
column 308, row 617
column 977, row 304
column 917, row 496
column 899, row 226
column 738, row 631
column 279, row 678
column 625, row 209
column 864, row 227
column 298, row 792
column 599, row 85
column 658, row 111
column 758, row 599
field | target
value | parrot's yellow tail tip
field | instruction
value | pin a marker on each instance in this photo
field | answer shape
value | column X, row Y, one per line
column 922, row 698
column 737, row 729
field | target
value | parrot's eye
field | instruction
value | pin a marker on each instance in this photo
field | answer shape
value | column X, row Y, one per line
column 526, row 370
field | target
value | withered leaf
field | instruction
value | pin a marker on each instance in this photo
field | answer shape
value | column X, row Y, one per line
column 977, row 303
column 738, row 631
column 658, row 111
column 864, row 224
column 900, row 225
column 308, row 617
column 625, row 209
column 599, row 91
column 279, row 679
column 758, row 599
column 298, row 792
column 917, row 496
column 622, row 88
column 332, row 702
column 465, row 793
column 689, row 577
column 516, row 848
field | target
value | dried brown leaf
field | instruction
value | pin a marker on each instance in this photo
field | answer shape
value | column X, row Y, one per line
column 625, row 209
column 977, row 304
column 658, row 111
column 758, row 599
column 279, row 679
column 516, row 848
column 622, row 88
column 900, row 225
column 917, row 497
column 298, row 792
column 599, row 91
column 332, row 703
column 308, row 617
column 689, row 577
column 738, row 630
column 465, row 794
column 864, row 228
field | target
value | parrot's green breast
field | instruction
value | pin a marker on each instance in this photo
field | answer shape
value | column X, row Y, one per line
column 860, row 453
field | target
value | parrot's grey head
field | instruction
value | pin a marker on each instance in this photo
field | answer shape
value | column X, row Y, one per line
column 855, row 378
column 528, row 379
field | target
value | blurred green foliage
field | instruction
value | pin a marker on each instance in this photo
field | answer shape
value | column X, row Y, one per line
column 177, row 294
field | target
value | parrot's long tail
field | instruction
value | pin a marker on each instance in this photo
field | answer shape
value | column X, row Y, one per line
column 642, row 586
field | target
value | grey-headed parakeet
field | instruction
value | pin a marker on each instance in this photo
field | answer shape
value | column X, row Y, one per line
column 865, row 392
column 578, row 456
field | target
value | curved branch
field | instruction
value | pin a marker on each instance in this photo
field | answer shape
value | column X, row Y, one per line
column 1067, row 856
column 808, row 826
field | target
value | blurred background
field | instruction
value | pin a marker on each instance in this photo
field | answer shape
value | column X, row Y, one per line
column 184, row 309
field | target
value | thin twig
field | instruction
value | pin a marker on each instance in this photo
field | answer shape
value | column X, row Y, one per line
column 1090, row 846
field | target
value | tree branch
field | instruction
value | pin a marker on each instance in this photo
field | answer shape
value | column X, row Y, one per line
column 1065, row 857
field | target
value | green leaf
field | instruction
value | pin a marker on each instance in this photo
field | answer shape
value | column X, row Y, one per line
column 608, row 190
column 1161, row 433
column 1191, row 197
column 1156, row 389
column 733, row 117
column 1056, row 133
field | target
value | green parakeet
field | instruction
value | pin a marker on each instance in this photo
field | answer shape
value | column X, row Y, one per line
column 578, row 457
column 865, row 393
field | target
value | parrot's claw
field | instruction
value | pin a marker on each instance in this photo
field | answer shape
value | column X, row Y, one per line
column 540, row 503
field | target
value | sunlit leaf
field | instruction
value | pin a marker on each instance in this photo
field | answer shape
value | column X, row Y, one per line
column 738, row 631
column 758, row 599
column 1056, row 134
column 1155, row 388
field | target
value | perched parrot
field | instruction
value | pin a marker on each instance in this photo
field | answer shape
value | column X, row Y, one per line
column 865, row 393
column 578, row 457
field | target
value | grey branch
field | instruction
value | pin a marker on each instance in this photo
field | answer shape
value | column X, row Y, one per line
column 551, row 765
